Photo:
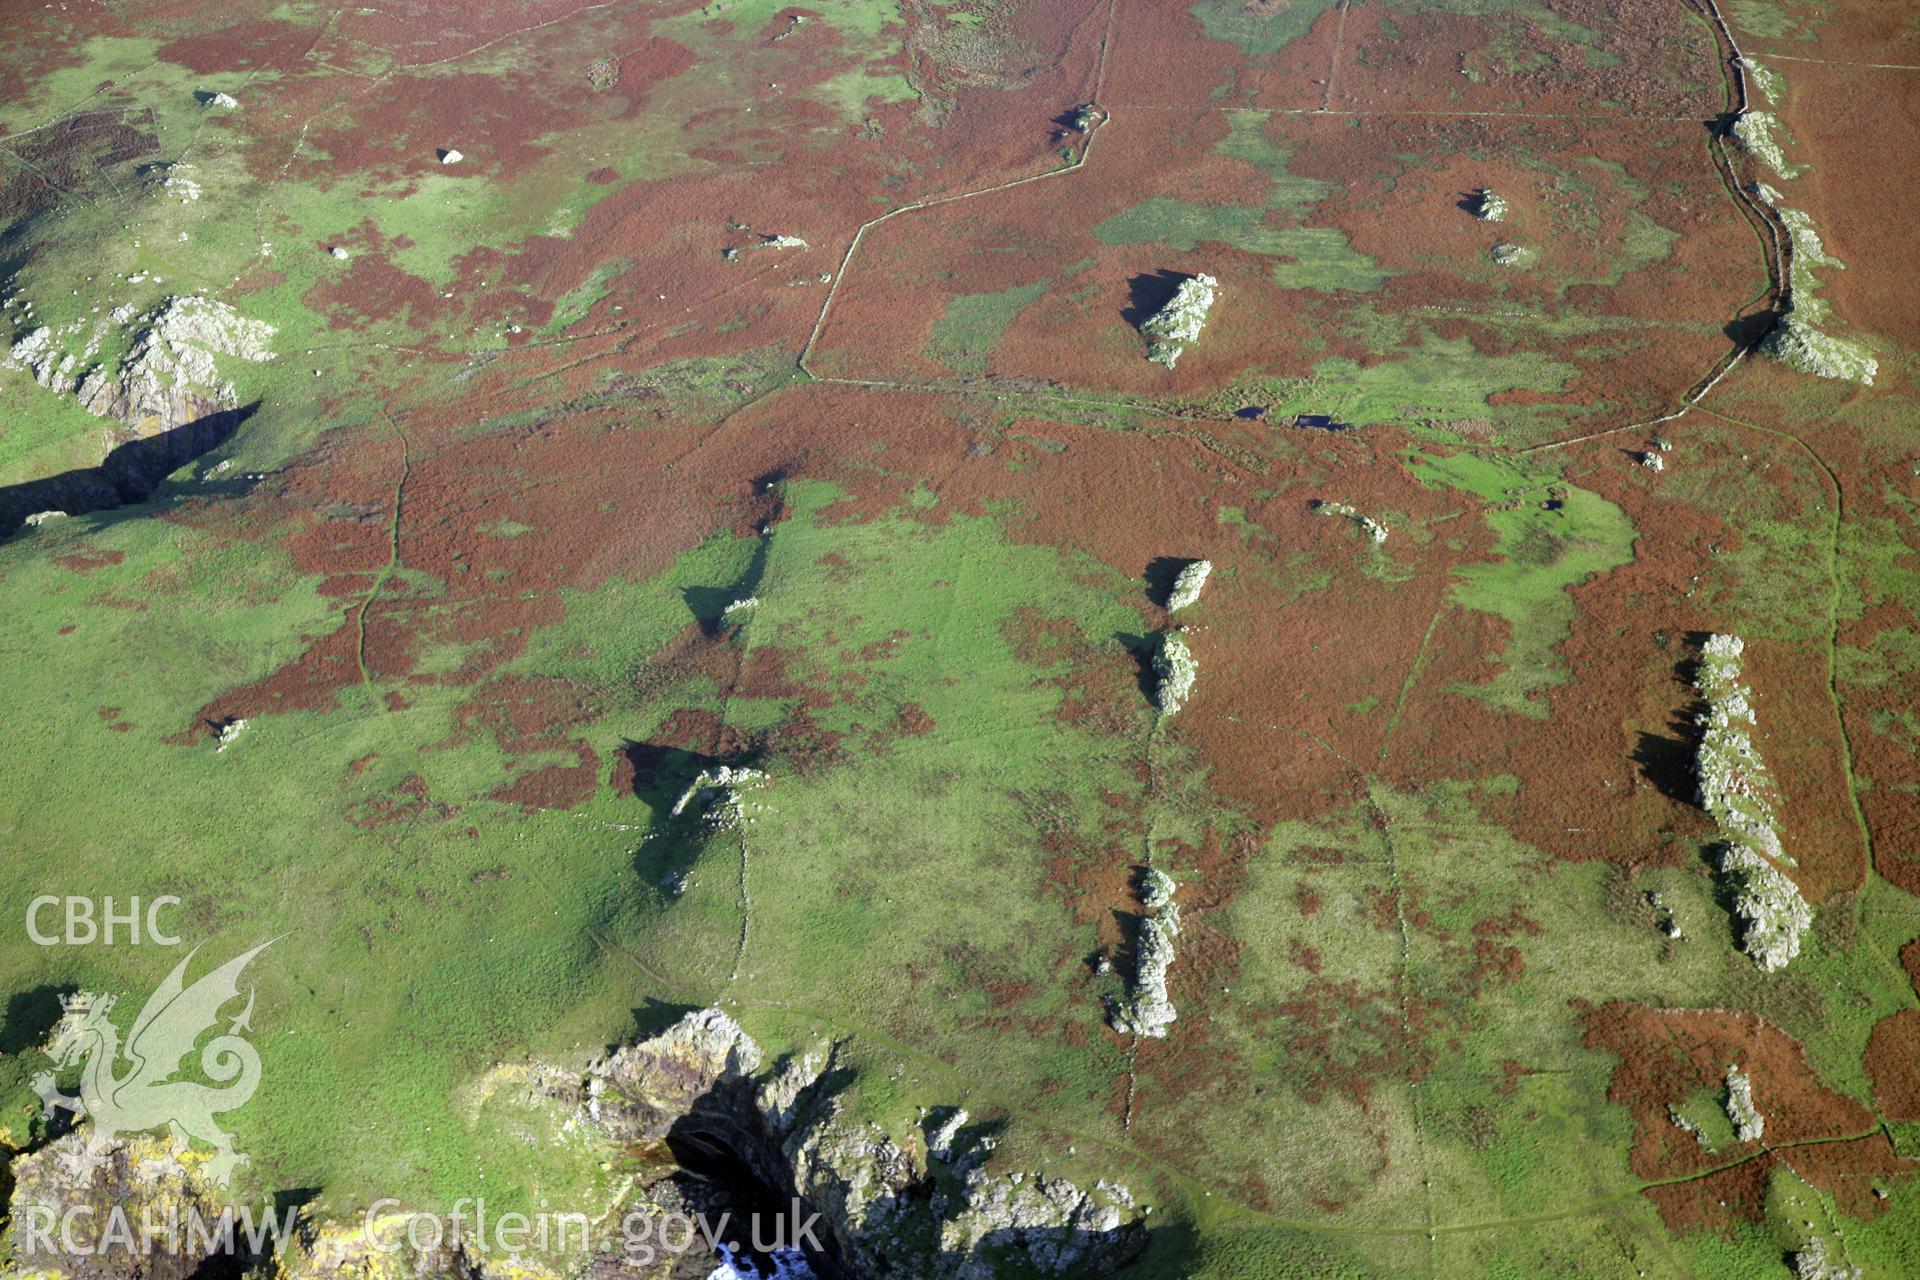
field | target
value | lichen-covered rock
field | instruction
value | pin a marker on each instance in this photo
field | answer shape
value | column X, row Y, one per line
column 169, row 376
column 635, row 1095
column 1488, row 206
column 1748, row 1123
column 376, row 1247
column 883, row 1210
column 1176, row 326
column 101, row 1195
column 1515, row 255
column 1815, row 1261
column 1173, row 663
column 1187, row 587
column 1755, row 131
column 1736, row 791
column 1036, row 1223
column 715, row 796
column 1149, row 1010
column 1374, row 530
column 1766, row 80
column 1800, row 346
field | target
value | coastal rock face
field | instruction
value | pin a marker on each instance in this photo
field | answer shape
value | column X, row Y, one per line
column 926, row 1206
column 638, row 1094
column 98, row 1199
column 885, row 1208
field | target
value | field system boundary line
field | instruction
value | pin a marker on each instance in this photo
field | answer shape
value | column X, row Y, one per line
column 1333, row 62
column 1869, row 870
column 386, row 571
column 1080, row 162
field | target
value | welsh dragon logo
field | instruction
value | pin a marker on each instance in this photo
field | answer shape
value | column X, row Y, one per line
column 146, row 1095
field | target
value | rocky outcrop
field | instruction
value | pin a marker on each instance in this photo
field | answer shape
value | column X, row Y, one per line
column 169, row 376
column 1736, row 790
column 1149, row 1010
column 1177, row 325
column 1174, row 664
column 132, row 1208
column 1187, row 587
column 704, row 1130
column 930, row 1208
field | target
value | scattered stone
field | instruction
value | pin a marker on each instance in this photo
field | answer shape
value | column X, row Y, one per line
column 1488, row 205
column 39, row 518
column 339, row 252
column 1768, row 81
column 1812, row 1262
column 230, row 733
column 765, row 242
column 717, row 793
column 1515, row 255
column 221, row 101
column 176, row 182
column 450, row 156
column 1368, row 525
column 1669, row 925
column 1685, row 1125
column 1652, row 461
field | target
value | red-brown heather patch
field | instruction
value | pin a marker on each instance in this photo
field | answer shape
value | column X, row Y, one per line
column 311, row 682
column 1662, row 63
column 1396, row 189
column 1716, row 1200
column 409, row 801
column 1162, row 57
column 1858, row 436
column 1845, row 121
column 557, row 786
column 84, row 562
column 1910, row 961
column 524, row 714
column 1667, row 1055
column 1893, row 1060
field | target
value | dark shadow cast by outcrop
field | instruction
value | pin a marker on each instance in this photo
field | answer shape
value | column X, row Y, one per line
column 1666, row 761
column 1148, row 292
column 1160, row 575
column 31, row 1016
column 129, row 475
column 708, row 605
column 661, row 776
column 656, row 1015
column 1746, row 332
column 1143, row 648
